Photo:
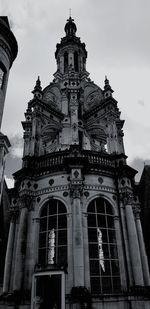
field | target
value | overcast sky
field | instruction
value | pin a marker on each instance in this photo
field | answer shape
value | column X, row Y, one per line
column 117, row 37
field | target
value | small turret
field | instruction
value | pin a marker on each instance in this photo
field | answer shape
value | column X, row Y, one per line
column 107, row 88
column 37, row 89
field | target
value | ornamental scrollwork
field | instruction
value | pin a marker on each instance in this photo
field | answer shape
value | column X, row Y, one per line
column 76, row 191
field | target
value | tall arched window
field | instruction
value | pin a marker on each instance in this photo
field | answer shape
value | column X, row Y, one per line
column 103, row 256
column 76, row 64
column 53, row 234
column 65, row 62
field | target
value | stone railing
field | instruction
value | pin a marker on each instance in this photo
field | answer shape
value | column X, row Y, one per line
column 60, row 158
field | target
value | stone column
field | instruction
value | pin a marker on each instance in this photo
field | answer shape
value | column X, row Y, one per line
column 86, row 251
column 120, row 253
column 31, row 252
column 144, row 260
column 78, row 259
column 9, row 255
column 21, row 247
column 133, row 244
column 69, row 282
column 126, row 246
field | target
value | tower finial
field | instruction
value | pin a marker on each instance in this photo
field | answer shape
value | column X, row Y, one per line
column 70, row 13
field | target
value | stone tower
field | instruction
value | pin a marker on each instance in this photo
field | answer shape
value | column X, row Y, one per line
column 75, row 237
column 8, row 53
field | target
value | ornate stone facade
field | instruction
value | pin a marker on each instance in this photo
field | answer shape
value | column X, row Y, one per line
column 76, row 241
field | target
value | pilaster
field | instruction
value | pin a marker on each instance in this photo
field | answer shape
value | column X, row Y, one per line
column 144, row 260
column 77, row 232
column 9, row 252
column 21, row 243
column 133, row 240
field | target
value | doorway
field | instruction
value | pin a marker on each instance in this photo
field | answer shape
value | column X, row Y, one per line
column 48, row 291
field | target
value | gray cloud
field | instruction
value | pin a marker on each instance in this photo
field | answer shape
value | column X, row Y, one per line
column 138, row 164
column 13, row 160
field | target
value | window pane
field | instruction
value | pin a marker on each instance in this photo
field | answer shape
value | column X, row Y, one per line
column 62, row 237
column 92, row 235
column 101, row 220
column 62, row 221
column 106, row 285
column 100, row 206
column 91, row 207
column 61, row 208
column 42, row 256
column 106, row 270
column 105, row 250
column 52, row 222
column 44, row 211
column 42, row 240
column 52, row 207
column 104, row 235
column 93, row 251
column 92, row 220
column 113, row 251
column 62, row 255
column 95, row 285
column 116, row 284
column 43, row 224
column 108, row 208
column 111, row 236
column 94, row 267
column 110, row 221
column 115, row 267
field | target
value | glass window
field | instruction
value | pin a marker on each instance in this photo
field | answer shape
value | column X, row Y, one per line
column 103, row 255
column 53, row 234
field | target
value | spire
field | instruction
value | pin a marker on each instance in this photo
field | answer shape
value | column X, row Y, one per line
column 37, row 89
column 38, row 84
column 107, row 88
column 69, row 12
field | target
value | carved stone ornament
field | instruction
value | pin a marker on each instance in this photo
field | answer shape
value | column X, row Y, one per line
column 26, row 201
column 14, row 212
column 127, row 198
column 76, row 191
column 76, row 174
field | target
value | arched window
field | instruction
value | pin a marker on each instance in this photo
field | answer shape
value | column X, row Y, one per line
column 65, row 62
column 53, row 234
column 76, row 65
column 103, row 256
